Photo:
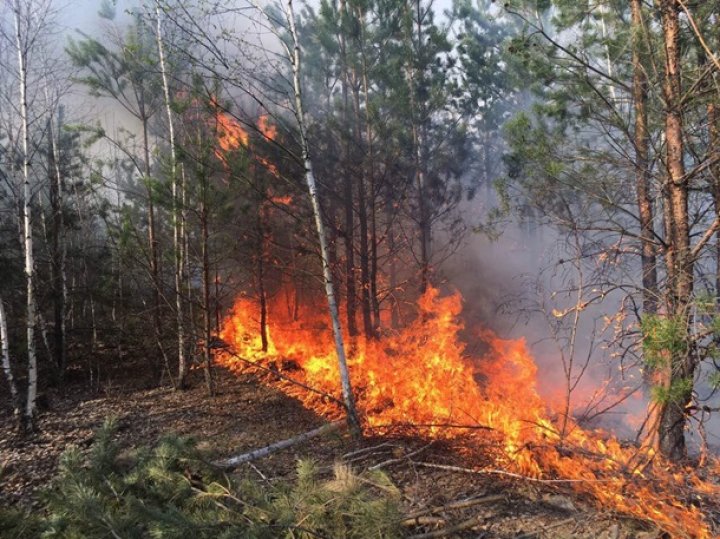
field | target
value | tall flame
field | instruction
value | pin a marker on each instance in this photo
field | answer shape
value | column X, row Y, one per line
column 423, row 375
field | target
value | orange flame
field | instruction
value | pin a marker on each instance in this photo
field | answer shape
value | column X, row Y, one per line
column 231, row 135
column 422, row 375
column 268, row 130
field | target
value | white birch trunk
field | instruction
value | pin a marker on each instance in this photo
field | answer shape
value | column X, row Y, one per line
column 5, row 354
column 353, row 421
column 177, row 216
column 27, row 225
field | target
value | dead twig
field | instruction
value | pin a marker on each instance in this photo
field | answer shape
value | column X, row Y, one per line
column 455, row 506
column 399, row 459
column 445, row 532
column 491, row 471
column 432, row 426
column 364, row 450
column 544, row 529
column 423, row 521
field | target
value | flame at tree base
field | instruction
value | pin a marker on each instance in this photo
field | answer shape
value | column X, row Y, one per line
column 422, row 375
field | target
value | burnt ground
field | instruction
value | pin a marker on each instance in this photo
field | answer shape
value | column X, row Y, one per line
column 245, row 415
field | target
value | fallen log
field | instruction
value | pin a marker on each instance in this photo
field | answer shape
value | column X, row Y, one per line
column 279, row 446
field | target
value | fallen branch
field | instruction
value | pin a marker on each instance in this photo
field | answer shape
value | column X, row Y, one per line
column 490, row 471
column 455, row 506
column 444, row 532
column 431, row 426
column 423, row 521
column 278, row 446
column 399, row 459
column 364, row 450
column 547, row 528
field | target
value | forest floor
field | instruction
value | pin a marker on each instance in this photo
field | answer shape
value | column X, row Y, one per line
column 245, row 414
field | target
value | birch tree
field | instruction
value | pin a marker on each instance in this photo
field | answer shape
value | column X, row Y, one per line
column 6, row 366
column 177, row 197
column 294, row 55
column 27, row 29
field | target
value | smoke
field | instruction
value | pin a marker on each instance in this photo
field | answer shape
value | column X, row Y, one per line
column 523, row 284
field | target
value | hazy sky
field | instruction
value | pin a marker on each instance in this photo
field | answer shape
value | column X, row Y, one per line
column 79, row 14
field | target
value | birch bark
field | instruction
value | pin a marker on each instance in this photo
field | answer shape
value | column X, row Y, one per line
column 353, row 421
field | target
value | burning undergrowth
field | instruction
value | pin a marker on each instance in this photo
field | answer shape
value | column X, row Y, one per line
column 422, row 375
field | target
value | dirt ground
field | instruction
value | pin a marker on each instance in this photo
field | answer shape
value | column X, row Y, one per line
column 245, row 414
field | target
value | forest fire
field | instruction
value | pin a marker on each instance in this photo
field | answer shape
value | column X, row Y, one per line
column 231, row 136
column 422, row 375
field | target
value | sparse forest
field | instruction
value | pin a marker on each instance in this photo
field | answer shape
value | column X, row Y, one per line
column 360, row 268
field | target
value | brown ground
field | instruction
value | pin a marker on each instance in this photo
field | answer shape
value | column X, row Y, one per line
column 246, row 414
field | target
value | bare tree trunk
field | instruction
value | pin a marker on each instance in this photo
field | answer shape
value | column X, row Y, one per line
column 59, row 249
column 681, row 370
column 206, row 273
column 714, row 153
column 349, row 399
column 642, row 172
column 29, row 415
column 370, row 172
column 392, row 276
column 153, row 244
column 423, row 216
column 373, row 291
column 350, row 291
column 177, row 212
column 261, row 247
column 7, row 368
column 363, row 220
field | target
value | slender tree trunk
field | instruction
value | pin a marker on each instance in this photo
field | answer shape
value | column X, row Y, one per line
column 423, row 218
column 642, row 172
column 714, row 153
column 177, row 212
column 7, row 368
column 153, row 244
column 358, row 149
column 391, row 252
column 59, row 248
column 261, row 248
column 349, row 399
column 29, row 415
column 350, row 291
column 206, row 273
column 374, row 300
column 681, row 370
column 363, row 220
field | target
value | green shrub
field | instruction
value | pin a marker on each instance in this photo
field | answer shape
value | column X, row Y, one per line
column 170, row 491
